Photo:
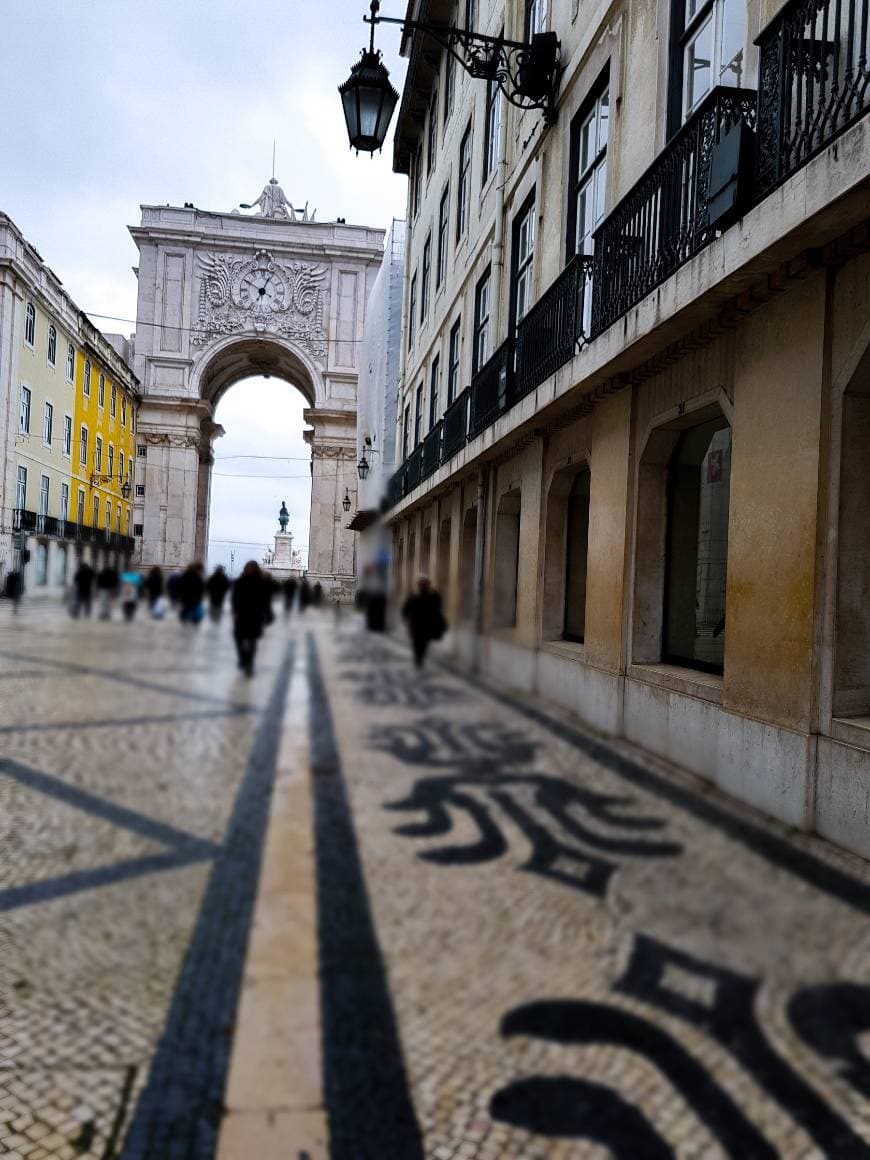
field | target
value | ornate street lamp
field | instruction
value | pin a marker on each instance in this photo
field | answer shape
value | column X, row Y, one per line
column 527, row 72
column 346, row 502
column 126, row 489
column 363, row 467
column 368, row 98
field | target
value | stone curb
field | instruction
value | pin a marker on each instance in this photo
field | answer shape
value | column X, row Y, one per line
column 274, row 1096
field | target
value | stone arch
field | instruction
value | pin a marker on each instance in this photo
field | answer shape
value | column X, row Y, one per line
column 240, row 356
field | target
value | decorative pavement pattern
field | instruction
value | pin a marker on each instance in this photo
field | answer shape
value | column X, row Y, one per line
column 135, row 775
column 588, row 954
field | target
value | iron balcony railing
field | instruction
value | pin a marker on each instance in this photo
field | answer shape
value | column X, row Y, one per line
column 455, row 426
column 662, row 222
column 55, row 528
column 413, row 465
column 490, row 388
column 395, row 487
column 814, row 82
column 553, row 330
column 432, row 451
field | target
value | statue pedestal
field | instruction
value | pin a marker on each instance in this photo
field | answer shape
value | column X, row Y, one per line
column 282, row 565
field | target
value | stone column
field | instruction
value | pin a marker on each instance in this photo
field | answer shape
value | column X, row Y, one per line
column 331, row 545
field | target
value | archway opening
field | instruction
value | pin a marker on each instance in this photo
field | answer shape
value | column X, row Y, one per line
column 261, row 460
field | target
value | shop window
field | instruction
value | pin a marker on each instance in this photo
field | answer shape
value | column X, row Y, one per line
column 682, row 543
column 507, row 560
column 565, row 553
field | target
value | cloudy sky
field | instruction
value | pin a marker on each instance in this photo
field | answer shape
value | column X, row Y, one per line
column 115, row 103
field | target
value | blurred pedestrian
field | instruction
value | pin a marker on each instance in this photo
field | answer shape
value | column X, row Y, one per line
column 172, row 584
column 83, row 583
column 251, row 601
column 15, row 588
column 131, row 584
column 217, row 586
column 107, row 589
column 317, row 594
column 289, row 587
column 425, row 619
column 190, row 592
column 304, row 594
column 154, row 586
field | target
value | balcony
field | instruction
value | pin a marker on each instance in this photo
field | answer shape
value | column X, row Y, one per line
column 813, row 82
column 55, row 528
column 553, row 330
column 662, row 222
column 413, row 466
column 455, row 426
column 490, row 389
column 431, row 451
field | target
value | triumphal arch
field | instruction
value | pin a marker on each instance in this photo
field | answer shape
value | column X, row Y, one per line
column 223, row 296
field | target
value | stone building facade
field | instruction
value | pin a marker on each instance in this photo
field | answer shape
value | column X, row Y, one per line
column 634, row 412
column 223, row 296
column 68, row 412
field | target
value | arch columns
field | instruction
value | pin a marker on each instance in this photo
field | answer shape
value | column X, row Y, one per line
column 331, row 546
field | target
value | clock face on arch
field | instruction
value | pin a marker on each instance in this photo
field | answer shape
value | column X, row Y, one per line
column 261, row 290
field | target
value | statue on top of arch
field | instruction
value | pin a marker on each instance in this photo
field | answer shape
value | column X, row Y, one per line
column 273, row 203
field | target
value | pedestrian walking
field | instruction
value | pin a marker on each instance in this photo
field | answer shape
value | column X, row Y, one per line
column 190, row 592
column 172, row 584
column 424, row 617
column 289, row 587
column 217, row 586
column 317, row 594
column 154, row 586
column 304, row 594
column 107, row 589
column 251, row 601
column 83, row 583
column 131, row 584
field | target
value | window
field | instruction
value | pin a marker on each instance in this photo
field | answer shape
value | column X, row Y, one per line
column 141, row 450
column 138, row 529
column 432, row 134
column 417, row 182
column 427, row 278
column 588, row 172
column 576, row 552
column 118, row 517
column 433, row 391
column 120, row 466
column 113, row 408
column 453, row 362
column 443, row 236
column 86, row 379
column 60, row 567
column 51, row 350
column 67, row 435
column 406, row 431
column 699, row 478
column 418, row 415
column 98, row 454
column 29, row 324
column 463, row 191
column 24, row 411
column 80, row 507
column 127, row 522
column 140, row 489
column 480, row 350
column 47, row 423
column 412, row 310
column 70, row 361
column 707, row 39
column 64, row 501
column 110, row 469
column 44, row 485
column 492, row 128
column 83, row 446
column 123, row 411
column 101, row 392
column 470, row 14
column 95, row 514
column 41, row 565
column 449, row 84
column 523, row 253
column 21, row 488
column 536, row 17
column 107, row 522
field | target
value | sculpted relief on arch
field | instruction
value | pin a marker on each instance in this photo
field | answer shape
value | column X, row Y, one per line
column 262, row 294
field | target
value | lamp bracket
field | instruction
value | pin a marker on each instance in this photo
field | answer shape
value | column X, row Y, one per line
column 489, row 58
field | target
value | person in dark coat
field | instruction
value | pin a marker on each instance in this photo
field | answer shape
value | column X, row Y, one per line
column 108, row 583
column 217, row 585
column 251, row 601
column 317, row 594
column 191, row 589
column 289, row 587
column 424, row 617
column 304, row 594
column 154, row 586
column 83, row 583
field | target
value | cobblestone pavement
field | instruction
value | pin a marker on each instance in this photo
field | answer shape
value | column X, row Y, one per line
column 535, row 945
column 135, row 771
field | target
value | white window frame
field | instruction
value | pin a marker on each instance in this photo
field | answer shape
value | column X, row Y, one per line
column 101, row 391
column 67, row 435
column 64, row 502
column 113, row 401
column 47, row 423
column 51, row 345
column 29, row 324
column 110, row 461
column 80, row 507
column 98, row 455
column 25, row 402
column 21, row 487
column 70, row 363
column 524, row 260
column 86, row 379
column 83, row 445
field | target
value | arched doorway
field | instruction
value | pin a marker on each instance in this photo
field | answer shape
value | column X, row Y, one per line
column 222, row 298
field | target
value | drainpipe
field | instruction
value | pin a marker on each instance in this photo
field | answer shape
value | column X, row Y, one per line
column 479, row 555
column 498, row 232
